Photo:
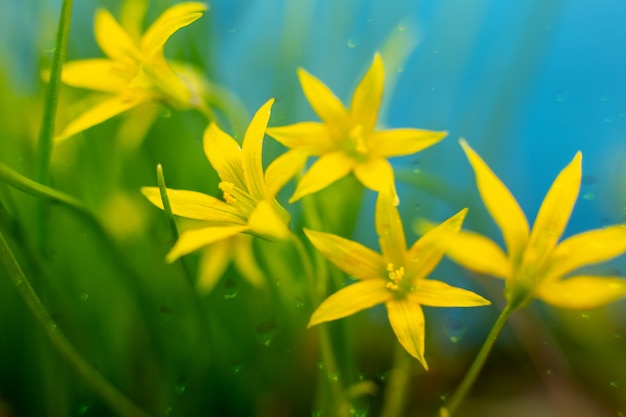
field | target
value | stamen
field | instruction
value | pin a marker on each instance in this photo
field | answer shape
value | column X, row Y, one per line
column 395, row 275
column 227, row 189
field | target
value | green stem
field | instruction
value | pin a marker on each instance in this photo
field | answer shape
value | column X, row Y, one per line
column 471, row 375
column 46, row 136
column 397, row 384
column 328, row 357
column 111, row 395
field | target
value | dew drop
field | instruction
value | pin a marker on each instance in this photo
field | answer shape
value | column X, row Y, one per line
column 362, row 376
column 400, row 69
column 82, row 408
column 320, row 365
column 299, row 302
column 549, row 372
column 168, row 410
column 334, row 376
column 316, row 413
column 166, row 313
column 382, row 376
column 84, row 297
column 455, row 329
column 589, row 196
column 266, row 331
column 443, row 398
column 181, row 387
column 236, row 367
column 614, row 384
column 352, row 43
column 230, row 289
column 359, row 412
column 585, row 316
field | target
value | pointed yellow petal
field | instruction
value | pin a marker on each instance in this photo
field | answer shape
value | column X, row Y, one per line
column 326, row 170
column 328, row 107
column 172, row 19
column 131, row 17
column 350, row 300
column 224, row 154
column 556, row 209
column 246, row 263
column 215, row 258
column 351, row 257
column 500, row 203
column 377, row 175
column 312, row 138
column 113, row 39
column 398, row 142
column 283, row 169
column 433, row 293
column 94, row 74
column 367, row 96
column 479, row 254
column 252, row 149
column 426, row 252
column 588, row 248
column 100, row 113
column 583, row 292
column 407, row 322
column 265, row 222
column 390, row 232
column 195, row 205
column 191, row 240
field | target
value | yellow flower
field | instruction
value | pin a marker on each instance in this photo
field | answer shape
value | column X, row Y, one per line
column 249, row 207
column 535, row 263
column 135, row 70
column 397, row 277
column 347, row 140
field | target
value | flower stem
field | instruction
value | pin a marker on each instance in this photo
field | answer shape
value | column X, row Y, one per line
column 471, row 375
column 116, row 400
column 328, row 358
column 49, row 114
column 397, row 385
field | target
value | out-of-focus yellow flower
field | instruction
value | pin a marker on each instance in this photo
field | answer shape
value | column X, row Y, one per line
column 535, row 264
column 397, row 277
column 249, row 207
column 135, row 70
column 347, row 140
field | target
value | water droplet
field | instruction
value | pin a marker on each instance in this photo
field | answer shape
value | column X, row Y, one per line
column 230, row 289
column 168, row 410
column 320, row 365
column 266, row 331
column 316, row 413
column 382, row 376
column 359, row 412
column 17, row 282
column 84, row 297
column 400, row 69
column 443, row 398
column 589, row 196
column 362, row 376
column 585, row 316
column 334, row 376
column 549, row 372
column 82, row 408
column 352, row 43
column 299, row 302
column 236, row 367
column 455, row 329
column 166, row 313
column 53, row 325
column 614, row 384
column 181, row 387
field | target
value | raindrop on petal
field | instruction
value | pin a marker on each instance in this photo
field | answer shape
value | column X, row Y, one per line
column 455, row 329
column 266, row 331
column 230, row 289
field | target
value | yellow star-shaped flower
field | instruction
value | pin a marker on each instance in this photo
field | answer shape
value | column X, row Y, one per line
column 135, row 70
column 249, row 206
column 535, row 264
column 347, row 140
column 397, row 277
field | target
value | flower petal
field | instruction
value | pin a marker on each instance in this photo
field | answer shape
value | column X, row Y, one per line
column 195, row 205
column 283, row 169
column 583, row 292
column 312, row 138
column 172, row 19
column 100, row 113
column 131, row 17
column 113, row 39
column 479, row 254
column 191, row 240
column 588, row 248
column 328, row 107
column 265, row 222
column 434, row 293
column 214, row 261
column 350, row 300
column 367, row 96
column 398, row 142
column 408, row 324
column 500, row 203
column 252, row 149
column 351, row 257
column 224, row 154
column 555, row 211
column 426, row 252
column 95, row 74
column 390, row 232
column 326, row 170
column 377, row 175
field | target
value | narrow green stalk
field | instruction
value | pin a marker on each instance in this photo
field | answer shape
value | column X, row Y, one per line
column 167, row 208
column 46, row 136
column 111, row 395
column 471, row 375
column 328, row 358
column 397, row 384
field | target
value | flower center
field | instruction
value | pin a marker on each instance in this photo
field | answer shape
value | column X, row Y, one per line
column 358, row 146
column 227, row 190
column 395, row 275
